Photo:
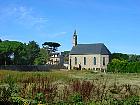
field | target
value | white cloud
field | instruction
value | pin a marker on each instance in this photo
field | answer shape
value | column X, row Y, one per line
column 22, row 15
column 25, row 17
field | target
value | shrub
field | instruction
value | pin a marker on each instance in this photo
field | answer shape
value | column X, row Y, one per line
column 5, row 95
column 133, row 100
column 76, row 98
column 39, row 99
column 123, row 66
column 20, row 101
column 7, row 90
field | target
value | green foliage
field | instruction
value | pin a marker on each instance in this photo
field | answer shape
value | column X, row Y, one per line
column 123, row 66
column 9, row 49
column 39, row 99
column 10, row 81
column 119, row 56
column 134, row 58
column 17, row 53
column 51, row 46
column 8, row 90
column 76, row 99
column 42, row 57
column 5, row 94
column 32, row 51
column 20, row 101
column 132, row 100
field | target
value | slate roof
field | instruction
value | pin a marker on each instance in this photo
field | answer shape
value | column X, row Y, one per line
column 98, row 48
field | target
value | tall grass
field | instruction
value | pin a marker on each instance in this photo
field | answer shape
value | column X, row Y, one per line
column 60, row 88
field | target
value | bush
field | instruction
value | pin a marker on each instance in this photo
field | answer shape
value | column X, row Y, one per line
column 123, row 66
column 133, row 100
column 7, row 90
column 76, row 99
column 20, row 101
column 39, row 99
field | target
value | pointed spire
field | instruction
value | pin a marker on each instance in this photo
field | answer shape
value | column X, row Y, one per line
column 75, row 33
column 74, row 42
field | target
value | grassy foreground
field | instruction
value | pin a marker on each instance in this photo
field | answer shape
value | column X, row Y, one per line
column 69, row 88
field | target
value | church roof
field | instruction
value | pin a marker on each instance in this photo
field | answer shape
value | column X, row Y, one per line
column 83, row 49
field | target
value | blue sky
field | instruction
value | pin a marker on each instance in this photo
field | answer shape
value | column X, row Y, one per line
column 116, row 23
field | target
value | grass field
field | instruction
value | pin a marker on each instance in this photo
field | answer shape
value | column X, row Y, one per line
column 62, row 79
column 64, row 76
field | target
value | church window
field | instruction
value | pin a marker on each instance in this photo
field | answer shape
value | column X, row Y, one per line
column 84, row 60
column 103, row 60
column 75, row 60
column 94, row 60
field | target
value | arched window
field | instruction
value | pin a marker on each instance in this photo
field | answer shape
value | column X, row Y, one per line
column 84, row 60
column 75, row 60
column 94, row 60
column 103, row 60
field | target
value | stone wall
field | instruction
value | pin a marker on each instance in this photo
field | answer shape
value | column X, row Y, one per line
column 89, row 61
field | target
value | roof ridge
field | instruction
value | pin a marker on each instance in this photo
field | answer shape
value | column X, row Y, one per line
column 90, row 43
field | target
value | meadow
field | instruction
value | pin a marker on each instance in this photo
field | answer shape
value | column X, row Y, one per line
column 60, row 87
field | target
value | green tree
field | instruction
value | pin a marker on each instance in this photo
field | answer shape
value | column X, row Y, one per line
column 134, row 58
column 17, row 53
column 51, row 46
column 8, row 50
column 42, row 57
column 32, row 51
column 20, row 57
column 123, row 66
column 119, row 56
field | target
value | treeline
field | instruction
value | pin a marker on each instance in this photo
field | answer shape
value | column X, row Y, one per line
column 18, row 53
column 124, row 63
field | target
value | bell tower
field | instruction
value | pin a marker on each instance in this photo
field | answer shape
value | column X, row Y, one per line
column 74, row 40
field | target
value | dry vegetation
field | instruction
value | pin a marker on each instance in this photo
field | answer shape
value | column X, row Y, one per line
column 69, row 88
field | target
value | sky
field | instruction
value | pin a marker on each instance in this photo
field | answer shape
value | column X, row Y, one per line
column 116, row 23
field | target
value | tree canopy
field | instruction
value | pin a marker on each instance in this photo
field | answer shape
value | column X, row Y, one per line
column 32, row 51
column 124, row 63
column 134, row 58
column 120, row 56
column 123, row 66
column 14, row 52
column 18, row 53
column 42, row 57
column 9, row 49
column 51, row 46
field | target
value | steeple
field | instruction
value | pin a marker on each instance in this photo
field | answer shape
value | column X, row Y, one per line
column 75, row 32
column 74, row 41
